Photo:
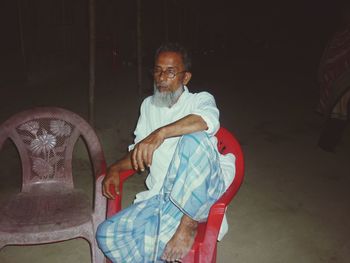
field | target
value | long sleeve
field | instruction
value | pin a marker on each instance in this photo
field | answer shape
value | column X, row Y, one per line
column 205, row 106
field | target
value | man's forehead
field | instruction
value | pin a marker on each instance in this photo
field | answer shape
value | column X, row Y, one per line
column 169, row 60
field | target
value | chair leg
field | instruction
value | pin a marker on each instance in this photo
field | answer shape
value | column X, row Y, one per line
column 214, row 255
column 97, row 255
column 203, row 256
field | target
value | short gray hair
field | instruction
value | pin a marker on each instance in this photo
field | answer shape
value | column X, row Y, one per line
column 177, row 48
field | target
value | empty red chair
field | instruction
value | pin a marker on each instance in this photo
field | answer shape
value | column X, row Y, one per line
column 48, row 208
column 205, row 245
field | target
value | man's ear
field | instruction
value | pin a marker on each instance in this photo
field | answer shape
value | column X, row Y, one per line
column 187, row 78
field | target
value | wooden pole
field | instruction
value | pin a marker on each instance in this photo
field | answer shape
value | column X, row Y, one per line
column 180, row 23
column 166, row 20
column 92, row 60
column 20, row 22
column 197, row 26
column 139, row 49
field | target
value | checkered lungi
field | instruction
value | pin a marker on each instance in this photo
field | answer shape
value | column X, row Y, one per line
column 193, row 183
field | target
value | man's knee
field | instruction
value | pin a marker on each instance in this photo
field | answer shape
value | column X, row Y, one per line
column 194, row 138
column 189, row 143
column 101, row 232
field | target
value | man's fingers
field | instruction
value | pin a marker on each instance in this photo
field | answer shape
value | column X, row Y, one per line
column 139, row 159
column 110, row 187
column 142, row 154
column 149, row 157
column 133, row 159
column 116, row 189
column 107, row 193
column 104, row 191
column 145, row 157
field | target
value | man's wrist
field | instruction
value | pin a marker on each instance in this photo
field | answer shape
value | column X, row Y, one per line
column 188, row 221
column 114, row 168
column 163, row 132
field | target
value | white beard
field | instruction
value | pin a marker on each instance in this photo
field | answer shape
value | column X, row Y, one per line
column 166, row 98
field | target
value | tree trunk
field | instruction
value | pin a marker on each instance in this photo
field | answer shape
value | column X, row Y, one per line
column 92, row 58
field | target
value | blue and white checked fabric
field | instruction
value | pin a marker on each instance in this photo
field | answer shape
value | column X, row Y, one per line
column 193, row 183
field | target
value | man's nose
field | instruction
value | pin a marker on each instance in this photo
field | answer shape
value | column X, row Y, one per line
column 162, row 75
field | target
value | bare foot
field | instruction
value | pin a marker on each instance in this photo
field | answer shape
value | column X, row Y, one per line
column 182, row 241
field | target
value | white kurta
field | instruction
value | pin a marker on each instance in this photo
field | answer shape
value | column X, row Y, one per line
column 153, row 117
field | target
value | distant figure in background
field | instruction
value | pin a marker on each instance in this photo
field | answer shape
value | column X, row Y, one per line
column 334, row 77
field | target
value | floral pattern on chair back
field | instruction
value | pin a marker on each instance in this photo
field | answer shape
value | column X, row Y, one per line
column 46, row 141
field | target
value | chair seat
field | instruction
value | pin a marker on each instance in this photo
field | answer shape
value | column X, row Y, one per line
column 44, row 211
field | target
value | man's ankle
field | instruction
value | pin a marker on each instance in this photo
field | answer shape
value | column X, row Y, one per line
column 189, row 223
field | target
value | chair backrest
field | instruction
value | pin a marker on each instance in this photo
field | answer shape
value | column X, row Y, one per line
column 45, row 139
column 227, row 143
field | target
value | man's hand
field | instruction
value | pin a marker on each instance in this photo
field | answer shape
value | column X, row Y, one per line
column 142, row 154
column 111, row 179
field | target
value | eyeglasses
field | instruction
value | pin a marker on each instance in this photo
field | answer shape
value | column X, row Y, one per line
column 168, row 73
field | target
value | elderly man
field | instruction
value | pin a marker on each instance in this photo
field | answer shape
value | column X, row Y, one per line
column 174, row 139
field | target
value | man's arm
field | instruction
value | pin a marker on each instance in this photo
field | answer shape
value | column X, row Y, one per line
column 189, row 124
column 143, row 152
column 112, row 177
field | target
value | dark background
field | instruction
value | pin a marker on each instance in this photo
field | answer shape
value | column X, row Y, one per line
column 260, row 61
column 54, row 33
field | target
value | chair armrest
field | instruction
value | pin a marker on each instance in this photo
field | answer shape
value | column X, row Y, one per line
column 100, row 202
column 115, row 205
column 125, row 175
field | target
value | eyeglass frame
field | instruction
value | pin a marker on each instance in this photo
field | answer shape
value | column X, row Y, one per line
column 166, row 72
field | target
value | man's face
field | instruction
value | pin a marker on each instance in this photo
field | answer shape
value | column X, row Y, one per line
column 170, row 62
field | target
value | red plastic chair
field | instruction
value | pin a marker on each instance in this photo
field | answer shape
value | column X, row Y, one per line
column 205, row 245
column 48, row 208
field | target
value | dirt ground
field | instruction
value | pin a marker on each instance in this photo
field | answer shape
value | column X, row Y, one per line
column 294, row 203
